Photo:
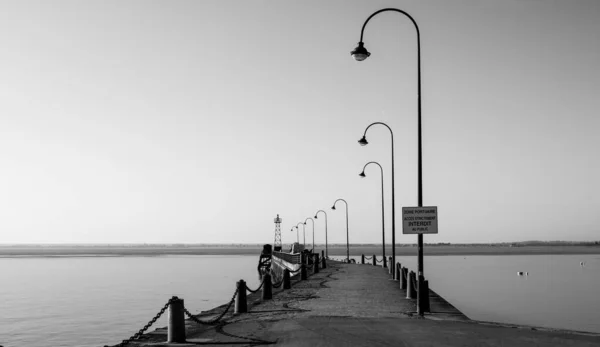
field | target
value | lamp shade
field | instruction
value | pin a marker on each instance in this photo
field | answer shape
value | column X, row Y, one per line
column 360, row 53
column 363, row 141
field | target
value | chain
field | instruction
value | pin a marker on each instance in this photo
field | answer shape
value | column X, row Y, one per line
column 257, row 289
column 368, row 258
column 216, row 320
column 379, row 261
column 278, row 284
column 152, row 321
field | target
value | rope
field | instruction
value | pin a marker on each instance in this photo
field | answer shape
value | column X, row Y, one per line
column 257, row 289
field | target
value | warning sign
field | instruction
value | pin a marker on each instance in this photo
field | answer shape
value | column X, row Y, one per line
column 419, row 220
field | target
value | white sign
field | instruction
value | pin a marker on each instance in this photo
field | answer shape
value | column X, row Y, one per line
column 419, row 220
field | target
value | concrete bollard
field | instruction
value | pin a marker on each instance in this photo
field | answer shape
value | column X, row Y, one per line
column 287, row 280
column 374, row 260
column 403, row 278
column 397, row 275
column 362, row 259
column 267, row 289
column 316, row 264
column 411, row 291
column 241, row 306
column 303, row 274
column 176, row 330
column 425, row 301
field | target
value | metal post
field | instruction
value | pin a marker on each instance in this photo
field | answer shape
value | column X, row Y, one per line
column 397, row 276
column 411, row 291
column 324, row 263
column 362, row 258
column 374, row 260
column 241, row 306
column 403, row 278
column 426, row 306
column 287, row 281
column 316, row 264
column 267, row 289
column 176, row 329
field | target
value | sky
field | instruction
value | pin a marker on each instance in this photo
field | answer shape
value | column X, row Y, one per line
column 200, row 121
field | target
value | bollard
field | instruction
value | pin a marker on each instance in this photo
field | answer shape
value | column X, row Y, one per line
column 316, row 263
column 287, row 281
column 323, row 261
column 241, row 306
column 303, row 275
column 384, row 264
column 391, row 268
column 397, row 275
column 426, row 306
column 362, row 259
column 267, row 289
column 403, row 278
column 374, row 260
column 411, row 291
column 176, row 332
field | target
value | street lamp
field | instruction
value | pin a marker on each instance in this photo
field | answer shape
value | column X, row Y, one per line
column 363, row 142
column 326, row 253
column 362, row 174
column 360, row 53
column 347, row 234
column 303, row 233
column 297, row 236
column 313, row 225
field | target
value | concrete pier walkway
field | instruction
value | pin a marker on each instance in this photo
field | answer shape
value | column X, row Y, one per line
column 358, row 305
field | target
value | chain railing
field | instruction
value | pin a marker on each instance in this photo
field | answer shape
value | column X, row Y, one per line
column 368, row 258
column 257, row 289
column 143, row 330
column 215, row 320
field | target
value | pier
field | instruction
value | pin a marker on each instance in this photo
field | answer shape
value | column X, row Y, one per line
column 344, row 304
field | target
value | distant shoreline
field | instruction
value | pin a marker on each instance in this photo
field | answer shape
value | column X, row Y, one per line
column 56, row 251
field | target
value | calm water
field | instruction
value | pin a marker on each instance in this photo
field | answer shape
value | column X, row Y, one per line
column 75, row 301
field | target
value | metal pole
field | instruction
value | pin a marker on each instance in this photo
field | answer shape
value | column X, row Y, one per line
column 347, row 236
column 419, row 140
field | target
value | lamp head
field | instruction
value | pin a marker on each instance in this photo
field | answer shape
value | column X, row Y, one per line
column 316, row 217
column 360, row 53
column 333, row 207
column 363, row 141
column 362, row 174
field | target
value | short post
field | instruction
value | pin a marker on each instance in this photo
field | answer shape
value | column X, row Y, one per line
column 391, row 267
column 316, row 264
column 384, row 265
column 323, row 261
column 267, row 289
column 374, row 260
column 397, row 275
column 411, row 291
column 362, row 259
column 303, row 275
column 287, row 281
column 241, row 306
column 176, row 332
column 426, row 306
column 403, row 278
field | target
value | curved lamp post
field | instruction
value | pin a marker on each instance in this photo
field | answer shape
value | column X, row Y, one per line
column 303, row 233
column 297, row 234
column 363, row 142
column 347, row 234
column 325, row 213
column 313, row 225
column 362, row 174
column 360, row 53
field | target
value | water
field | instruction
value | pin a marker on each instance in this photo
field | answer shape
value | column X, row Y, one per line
column 557, row 292
column 93, row 301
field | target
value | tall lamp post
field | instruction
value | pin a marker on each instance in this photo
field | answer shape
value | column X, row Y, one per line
column 363, row 142
column 303, row 233
column 325, row 213
column 362, row 174
column 297, row 234
column 347, row 234
column 360, row 53
column 313, row 227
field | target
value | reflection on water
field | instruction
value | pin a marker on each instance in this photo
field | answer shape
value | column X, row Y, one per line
column 555, row 291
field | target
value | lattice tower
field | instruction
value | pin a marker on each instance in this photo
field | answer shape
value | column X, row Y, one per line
column 277, row 244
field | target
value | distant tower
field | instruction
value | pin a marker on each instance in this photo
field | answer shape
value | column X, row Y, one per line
column 277, row 243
